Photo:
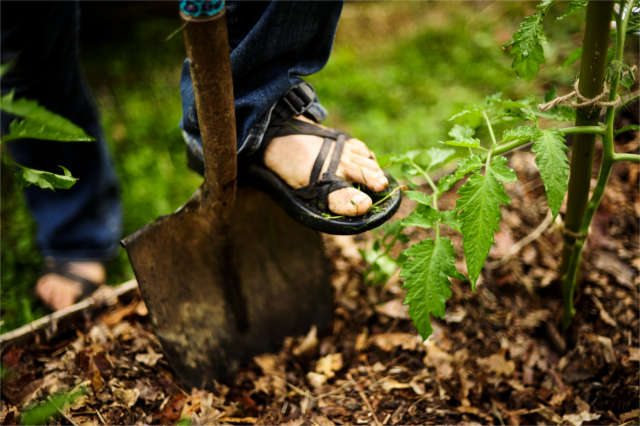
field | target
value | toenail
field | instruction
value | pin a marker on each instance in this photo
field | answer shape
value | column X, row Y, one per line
column 358, row 198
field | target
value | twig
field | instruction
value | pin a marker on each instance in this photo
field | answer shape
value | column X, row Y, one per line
column 49, row 324
column 100, row 417
column 364, row 398
column 514, row 249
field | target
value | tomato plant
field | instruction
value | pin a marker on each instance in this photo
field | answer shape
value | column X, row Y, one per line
column 481, row 136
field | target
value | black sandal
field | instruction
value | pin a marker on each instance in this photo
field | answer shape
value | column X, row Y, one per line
column 308, row 205
column 87, row 287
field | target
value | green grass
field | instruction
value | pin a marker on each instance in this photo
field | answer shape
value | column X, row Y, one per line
column 393, row 89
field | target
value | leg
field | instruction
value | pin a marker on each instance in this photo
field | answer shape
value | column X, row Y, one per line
column 83, row 223
column 272, row 45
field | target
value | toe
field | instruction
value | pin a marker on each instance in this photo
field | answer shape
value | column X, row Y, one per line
column 359, row 165
column 349, row 202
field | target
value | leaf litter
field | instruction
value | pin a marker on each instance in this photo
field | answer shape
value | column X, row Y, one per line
column 497, row 356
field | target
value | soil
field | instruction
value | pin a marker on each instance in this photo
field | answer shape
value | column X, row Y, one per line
column 499, row 355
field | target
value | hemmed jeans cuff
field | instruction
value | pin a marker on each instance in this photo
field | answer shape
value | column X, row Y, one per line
column 96, row 255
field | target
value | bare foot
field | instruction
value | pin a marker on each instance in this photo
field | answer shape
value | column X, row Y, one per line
column 291, row 157
column 59, row 292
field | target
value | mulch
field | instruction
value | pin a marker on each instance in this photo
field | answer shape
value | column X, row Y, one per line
column 499, row 355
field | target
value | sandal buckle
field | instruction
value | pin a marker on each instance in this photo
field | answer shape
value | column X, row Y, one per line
column 299, row 98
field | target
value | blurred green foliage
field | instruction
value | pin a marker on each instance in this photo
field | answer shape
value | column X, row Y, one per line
column 398, row 72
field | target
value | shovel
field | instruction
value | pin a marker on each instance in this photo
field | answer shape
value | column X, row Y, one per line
column 229, row 274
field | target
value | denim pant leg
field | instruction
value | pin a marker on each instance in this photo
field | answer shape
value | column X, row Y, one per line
column 84, row 222
column 272, row 44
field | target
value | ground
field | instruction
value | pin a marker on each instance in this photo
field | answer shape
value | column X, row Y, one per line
column 498, row 356
column 398, row 71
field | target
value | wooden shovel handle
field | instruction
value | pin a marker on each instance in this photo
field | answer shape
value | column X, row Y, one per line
column 207, row 46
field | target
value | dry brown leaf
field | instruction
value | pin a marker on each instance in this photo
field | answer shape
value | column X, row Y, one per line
column 128, row 397
column 329, row 364
column 308, row 344
column 498, row 364
column 604, row 315
column 558, row 398
column 268, row 363
column 607, row 349
column 150, row 358
column 634, row 354
column 389, row 341
column 316, row 379
column 633, row 414
column 393, row 309
column 440, row 359
column 533, row 319
column 455, row 315
column 578, row 419
column 362, row 340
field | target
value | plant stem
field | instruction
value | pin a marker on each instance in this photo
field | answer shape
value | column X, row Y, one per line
column 579, row 213
column 517, row 143
column 627, row 157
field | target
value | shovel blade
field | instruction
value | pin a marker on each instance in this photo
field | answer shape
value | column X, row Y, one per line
column 217, row 297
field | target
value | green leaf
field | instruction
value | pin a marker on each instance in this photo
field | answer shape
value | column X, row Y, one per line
column 551, row 158
column 39, row 413
column 463, row 137
column 418, row 196
column 526, row 44
column 520, row 133
column 479, row 212
column 40, row 178
column 438, row 156
column 423, row 216
column 465, row 166
column 573, row 56
column 633, row 26
column 4, row 68
column 381, row 266
column 573, row 7
column 39, row 123
column 426, row 269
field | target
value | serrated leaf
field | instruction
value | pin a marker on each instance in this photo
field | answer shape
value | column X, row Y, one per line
column 633, row 25
column 465, row 166
column 471, row 117
column 479, row 212
column 423, row 216
column 526, row 46
column 573, row 7
column 501, row 171
column 450, row 218
column 418, row 196
column 46, row 180
column 551, row 158
column 39, row 123
column 463, row 137
column 520, row 133
column 438, row 156
column 426, row 269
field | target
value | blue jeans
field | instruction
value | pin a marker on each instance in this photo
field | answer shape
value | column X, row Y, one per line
column 84, row 222
column 272, row 44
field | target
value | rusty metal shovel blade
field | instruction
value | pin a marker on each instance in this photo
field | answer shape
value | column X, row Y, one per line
column 229, row 274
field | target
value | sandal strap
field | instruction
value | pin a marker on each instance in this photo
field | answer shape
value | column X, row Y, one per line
column 87, row 287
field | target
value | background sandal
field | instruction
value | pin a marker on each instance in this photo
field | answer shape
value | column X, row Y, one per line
column 87, row 287
column 308, row 205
